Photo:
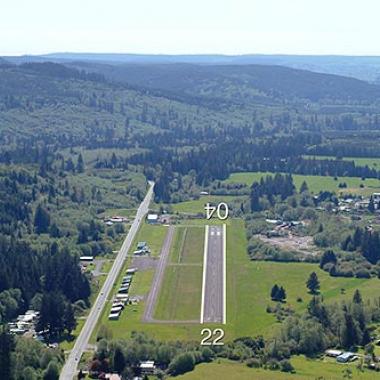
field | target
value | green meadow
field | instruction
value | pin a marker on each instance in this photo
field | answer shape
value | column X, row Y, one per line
column 306, row 369
column 316, row 183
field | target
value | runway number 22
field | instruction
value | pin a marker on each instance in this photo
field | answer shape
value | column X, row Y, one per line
column 208, row 333
column 221, row 211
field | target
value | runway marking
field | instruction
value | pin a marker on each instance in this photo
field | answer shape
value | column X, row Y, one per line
column 204, row 271
column 224, row 274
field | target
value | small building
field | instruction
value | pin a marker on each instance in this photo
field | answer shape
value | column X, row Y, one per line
column 114, row 316
column 346, row 357
column 141, row 245
column 118, row 219
column 147, row 367
column 87, row 259
column 112, row 376
column 116, row 309
column 124, row 289
column 333, row 353
column 152, row 218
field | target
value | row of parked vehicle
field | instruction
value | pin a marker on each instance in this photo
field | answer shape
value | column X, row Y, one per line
column 122, row 297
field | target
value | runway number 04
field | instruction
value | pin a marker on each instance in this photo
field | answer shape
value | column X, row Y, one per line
column 218, row 335
column 221, row 211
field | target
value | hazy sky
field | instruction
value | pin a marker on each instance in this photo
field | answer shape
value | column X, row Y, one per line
column 190, row 26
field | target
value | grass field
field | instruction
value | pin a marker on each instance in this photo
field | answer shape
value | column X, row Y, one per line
column 249, row 284
column 316, row 183
column 305, row 370
column 373, row 163
column 198, row 205
column 180, row 296
column 153, row 235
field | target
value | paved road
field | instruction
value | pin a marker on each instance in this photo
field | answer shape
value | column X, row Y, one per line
column 158, row 277
column 69, row 370
column 213, row 277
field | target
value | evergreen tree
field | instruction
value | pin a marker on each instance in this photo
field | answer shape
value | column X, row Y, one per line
column 7, row 345
column 371, row 205
column 274, row 292
column 70, row 322
column 327, row 257
column 80, row 164
column 51, row 372
column 119, row 360
column 357, row 298
column 313, row 283
column 304, row 188
column 281, row 295
column 41, row 220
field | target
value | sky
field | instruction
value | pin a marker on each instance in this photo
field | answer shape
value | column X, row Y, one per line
column 341, row 27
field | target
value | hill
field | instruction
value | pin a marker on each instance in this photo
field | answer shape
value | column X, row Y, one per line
column 240, row 84
column 366, row 68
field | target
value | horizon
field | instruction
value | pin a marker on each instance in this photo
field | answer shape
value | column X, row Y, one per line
column 199, row 27
column 56, row 53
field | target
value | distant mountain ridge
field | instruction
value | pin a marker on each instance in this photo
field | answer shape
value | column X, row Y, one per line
column 361, row 67
column 238, row 84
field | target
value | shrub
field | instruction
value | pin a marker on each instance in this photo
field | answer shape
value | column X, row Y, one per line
column 253, row 363
column 286, row 366
column 182, row 363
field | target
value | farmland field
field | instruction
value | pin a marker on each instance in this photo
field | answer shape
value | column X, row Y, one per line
column 316, row 183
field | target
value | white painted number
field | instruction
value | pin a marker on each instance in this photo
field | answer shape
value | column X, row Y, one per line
column 207, row 341
column 221, row 211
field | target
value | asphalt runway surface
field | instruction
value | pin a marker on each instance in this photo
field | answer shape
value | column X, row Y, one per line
column 158, row 277
column 213, row 297
column 70, row 368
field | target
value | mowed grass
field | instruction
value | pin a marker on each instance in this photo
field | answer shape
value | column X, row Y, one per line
column 306, row 369
column 316, row 183
column 180, row 295
column 198, row 206
column 154, row 235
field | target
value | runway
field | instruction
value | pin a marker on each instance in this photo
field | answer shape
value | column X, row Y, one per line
column 213, row 308
column 158, row 277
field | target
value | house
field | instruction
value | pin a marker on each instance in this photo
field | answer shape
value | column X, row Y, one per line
column 118, row 219
column 152, row 218
column 147, row 367
column 346, row 357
